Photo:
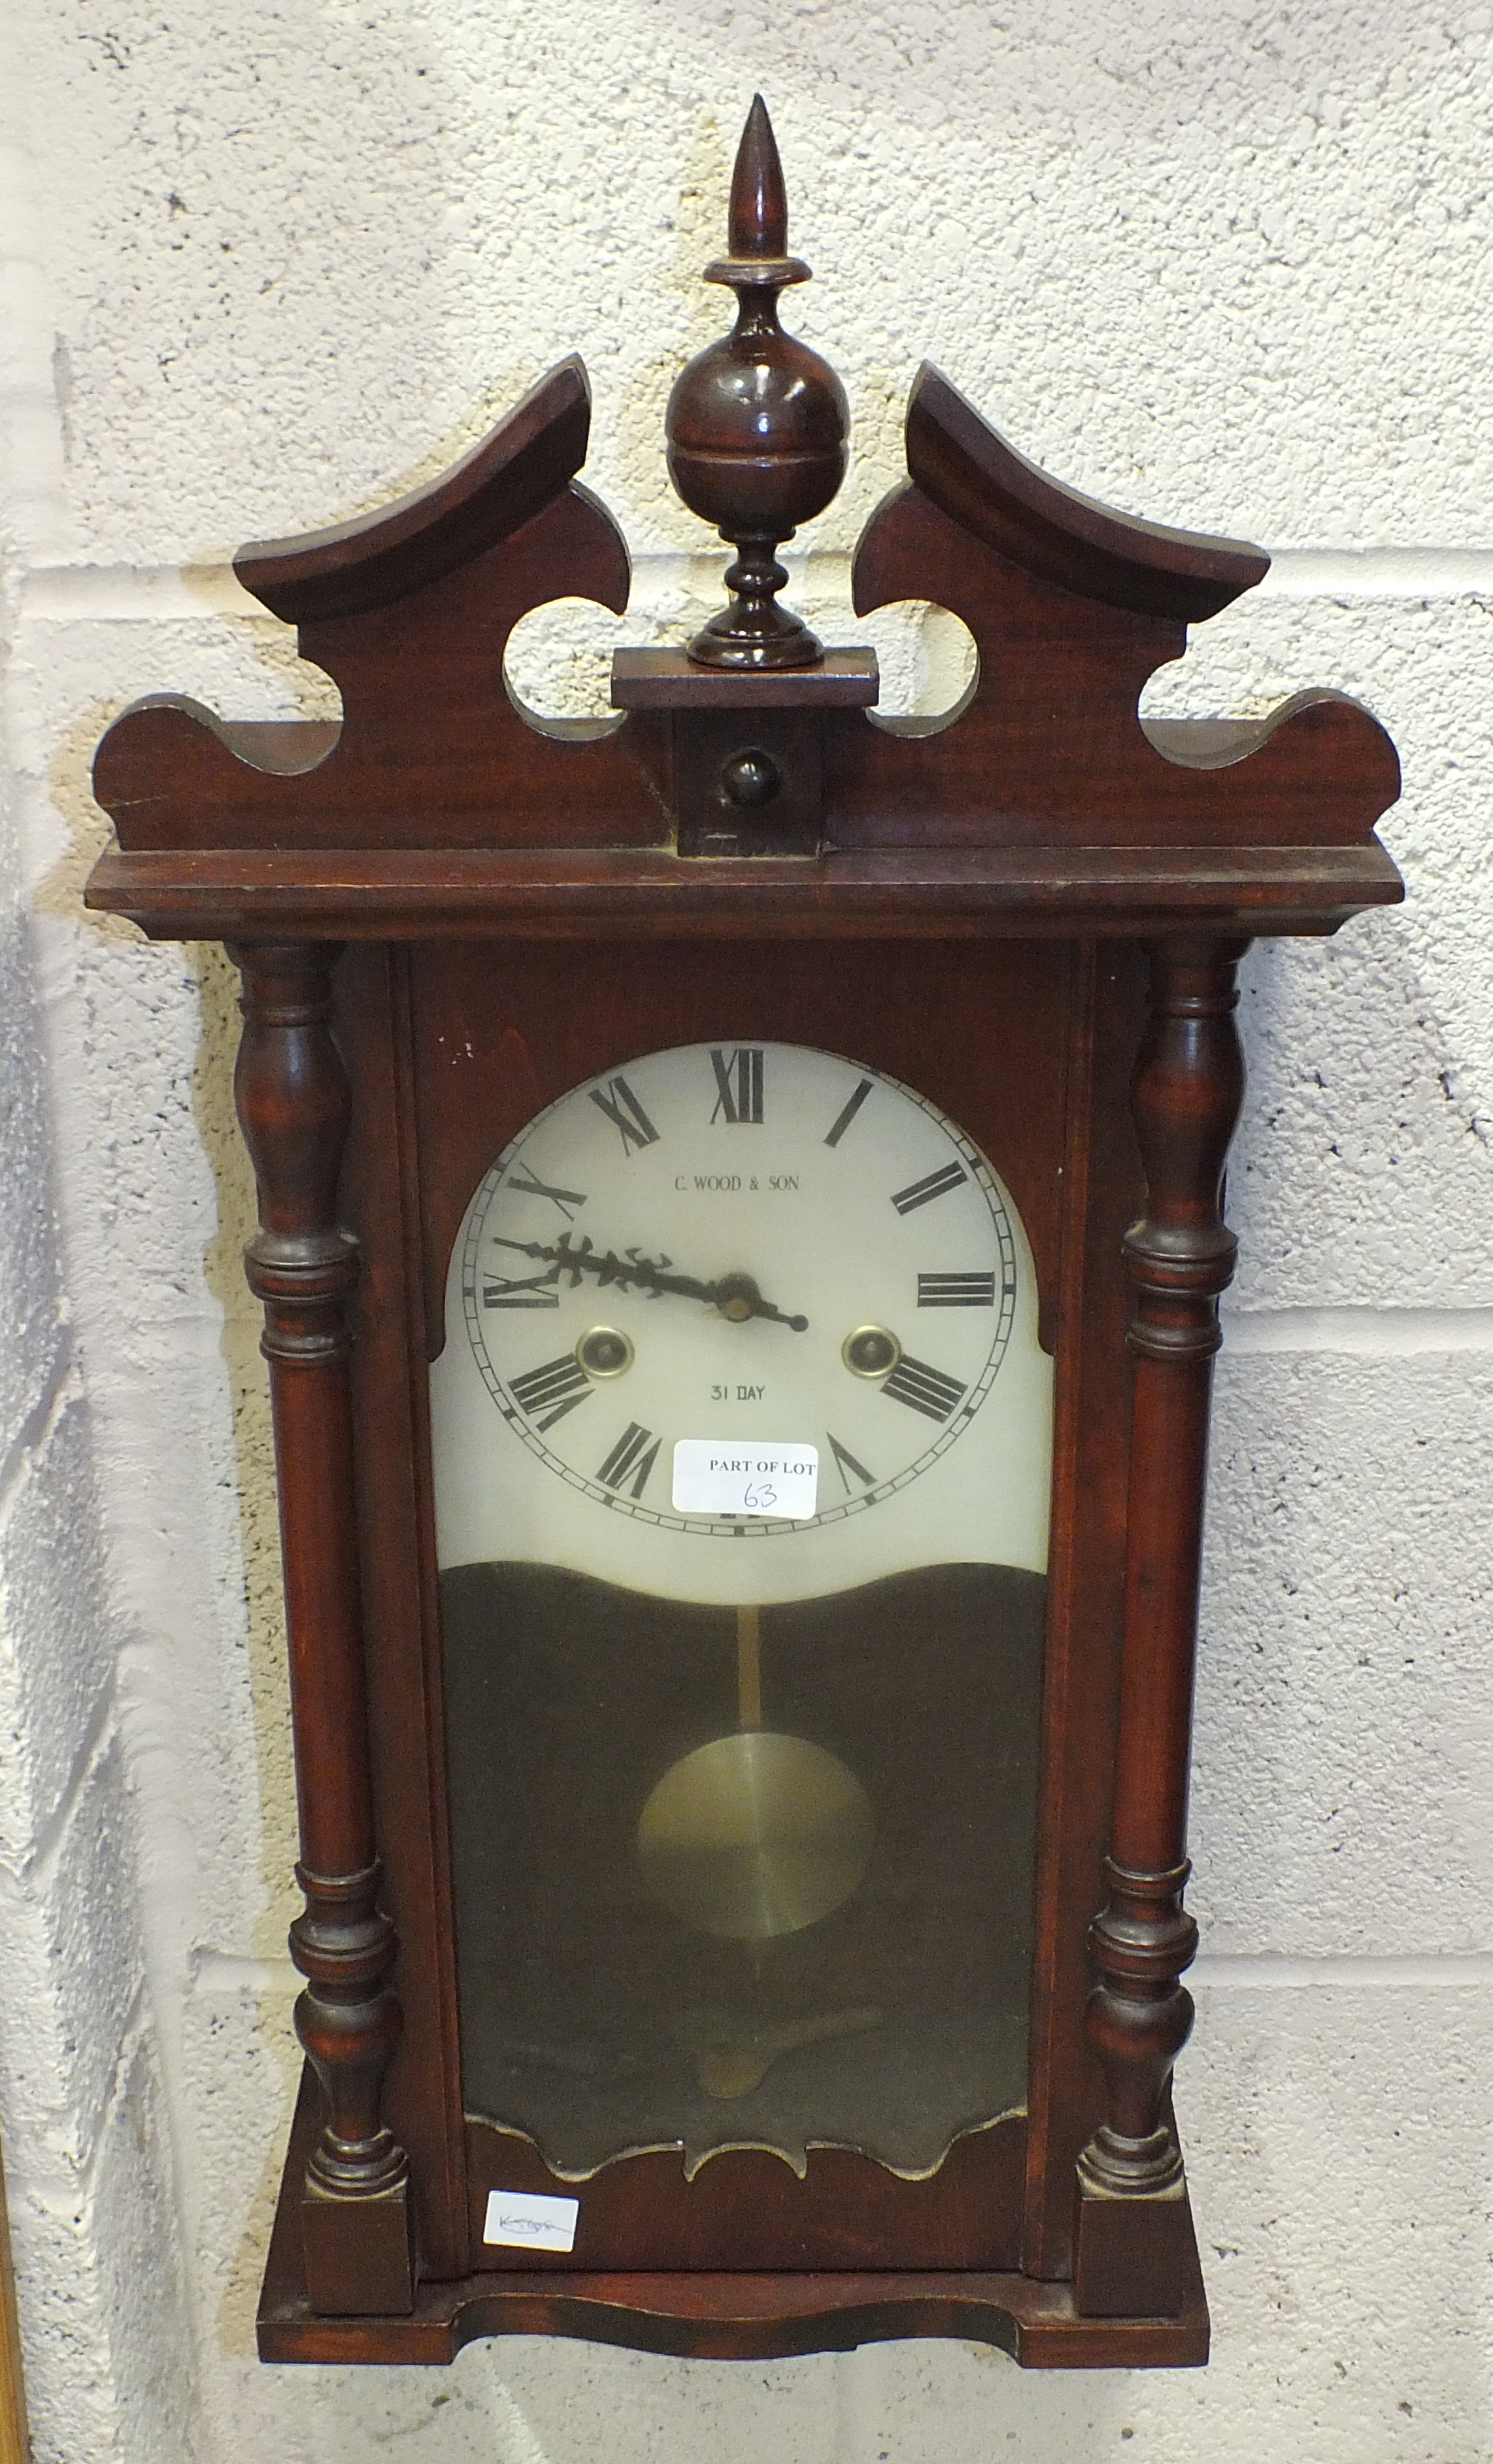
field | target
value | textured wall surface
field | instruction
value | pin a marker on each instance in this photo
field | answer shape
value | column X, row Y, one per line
column 1219, row 261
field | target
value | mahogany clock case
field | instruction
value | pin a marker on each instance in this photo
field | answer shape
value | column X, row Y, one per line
column 1031, row 917
column 452, row 1048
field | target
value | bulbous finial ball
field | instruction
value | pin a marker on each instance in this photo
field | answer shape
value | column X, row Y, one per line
column 758, row 424
column 757, row 428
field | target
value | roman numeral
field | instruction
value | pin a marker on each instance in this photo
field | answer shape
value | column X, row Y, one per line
column 844, row 1460
column 628, row 1456
column 522, row 1291
column 623, row 1111
column 933, row 1185
column 956, row 1291
column 566, row 1199
column 739, row 1086
column 850, row 1110
column 561, row 1383
column 923, row 1389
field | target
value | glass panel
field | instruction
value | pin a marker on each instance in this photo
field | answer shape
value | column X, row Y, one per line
column 675, row 1928
column 743, row 1785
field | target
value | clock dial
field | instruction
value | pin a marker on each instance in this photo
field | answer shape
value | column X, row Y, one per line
column 745, row 1245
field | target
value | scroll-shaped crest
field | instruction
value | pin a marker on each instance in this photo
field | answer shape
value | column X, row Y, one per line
column 409, row 610
column 1052, row 532
column 521, row 465
column 1072, row 608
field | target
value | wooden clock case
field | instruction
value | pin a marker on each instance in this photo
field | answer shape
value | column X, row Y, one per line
column 446, row 915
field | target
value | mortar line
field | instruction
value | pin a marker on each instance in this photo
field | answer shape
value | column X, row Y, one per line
column 219, row 1970
column 1350, row 1326
column 1378, row 572
column 136, row 592
column 1281, row 1972
column 229, row 1971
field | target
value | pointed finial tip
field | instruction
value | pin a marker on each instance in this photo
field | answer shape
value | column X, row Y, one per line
column 759, row 218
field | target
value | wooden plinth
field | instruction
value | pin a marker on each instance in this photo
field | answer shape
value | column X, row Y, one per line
column 722, row 2317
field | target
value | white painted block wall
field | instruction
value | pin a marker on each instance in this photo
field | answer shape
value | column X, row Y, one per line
column 1221, row 262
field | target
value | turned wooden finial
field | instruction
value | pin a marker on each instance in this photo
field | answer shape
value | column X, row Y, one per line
column 757, row 219
column 758, row 424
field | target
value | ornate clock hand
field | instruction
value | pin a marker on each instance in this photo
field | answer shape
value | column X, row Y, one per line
column 578, row 1258
column 736, row 1296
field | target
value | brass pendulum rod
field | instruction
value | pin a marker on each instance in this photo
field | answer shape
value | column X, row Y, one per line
column 749, row 1668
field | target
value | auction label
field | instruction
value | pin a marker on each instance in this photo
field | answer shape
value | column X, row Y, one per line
column 527, row 2220
column 736, row 1476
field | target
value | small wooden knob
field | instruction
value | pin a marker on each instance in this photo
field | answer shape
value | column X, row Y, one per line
column 757, row 424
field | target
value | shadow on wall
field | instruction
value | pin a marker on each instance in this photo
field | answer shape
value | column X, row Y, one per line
column 534, row 2400
column 60, row 894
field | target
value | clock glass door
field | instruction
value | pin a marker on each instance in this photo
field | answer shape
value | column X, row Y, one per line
column 742, row 1438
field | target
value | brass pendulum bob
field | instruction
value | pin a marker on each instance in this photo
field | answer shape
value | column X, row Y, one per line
column 757, row 1834
column 758, row 424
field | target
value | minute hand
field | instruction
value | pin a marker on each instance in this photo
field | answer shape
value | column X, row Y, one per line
column 736, row 1296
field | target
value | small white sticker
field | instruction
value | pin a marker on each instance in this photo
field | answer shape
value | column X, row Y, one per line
column 524, row 2220
column 734, row 1476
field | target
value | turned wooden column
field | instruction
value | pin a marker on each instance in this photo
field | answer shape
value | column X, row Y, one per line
column 1186, row 1091
column 294, row 1105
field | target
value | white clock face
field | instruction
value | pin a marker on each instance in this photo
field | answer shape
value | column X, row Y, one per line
column 749, row 1245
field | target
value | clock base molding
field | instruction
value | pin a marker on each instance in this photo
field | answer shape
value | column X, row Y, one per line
column 730, row 2315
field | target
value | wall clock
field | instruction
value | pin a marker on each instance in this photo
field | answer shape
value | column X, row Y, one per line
column 740, row 1202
